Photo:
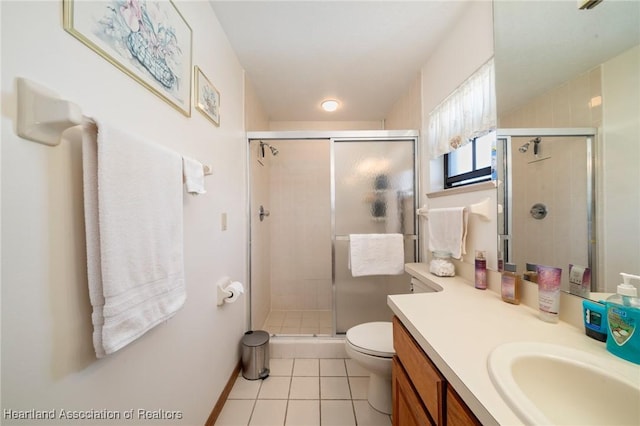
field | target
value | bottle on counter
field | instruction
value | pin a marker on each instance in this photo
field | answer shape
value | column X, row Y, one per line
column 531, row 273
column 623, row 316
column 510, row 284
column 481, row 270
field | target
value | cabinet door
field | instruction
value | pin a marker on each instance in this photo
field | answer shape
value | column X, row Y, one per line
column 407, row 407
column 427, row 380
column 458, row 413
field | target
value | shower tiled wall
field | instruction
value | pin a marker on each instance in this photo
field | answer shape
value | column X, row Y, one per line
column 301, row 226
column 575, row 103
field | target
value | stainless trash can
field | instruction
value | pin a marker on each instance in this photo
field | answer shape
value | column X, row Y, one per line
column 255, row 355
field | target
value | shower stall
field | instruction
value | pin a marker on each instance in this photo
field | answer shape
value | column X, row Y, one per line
column 308, row 192
column 548, row 194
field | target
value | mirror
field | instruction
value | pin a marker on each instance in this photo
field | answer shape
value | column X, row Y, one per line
column 560, row 69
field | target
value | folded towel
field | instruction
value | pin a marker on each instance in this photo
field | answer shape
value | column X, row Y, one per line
column 376, row 254
column 193, row 174
column 448, row 230
column 133, row 222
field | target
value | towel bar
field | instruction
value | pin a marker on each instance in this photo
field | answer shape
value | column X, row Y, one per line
column 43, row 117
column 480, row 209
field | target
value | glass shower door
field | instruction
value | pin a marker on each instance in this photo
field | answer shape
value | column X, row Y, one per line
column 373, row 193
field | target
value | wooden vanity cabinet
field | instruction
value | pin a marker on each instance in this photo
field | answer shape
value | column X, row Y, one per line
column 421, row 395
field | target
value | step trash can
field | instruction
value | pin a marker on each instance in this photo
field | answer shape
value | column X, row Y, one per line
column 255, row 355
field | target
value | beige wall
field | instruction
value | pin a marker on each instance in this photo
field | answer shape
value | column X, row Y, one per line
column 406, row 113
column 256, row 118
column 325, row 125
column 47, row 354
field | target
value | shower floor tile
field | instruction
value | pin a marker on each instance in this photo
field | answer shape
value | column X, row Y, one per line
column 299, row 323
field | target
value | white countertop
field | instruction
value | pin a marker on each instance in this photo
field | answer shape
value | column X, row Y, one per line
column 459, row 326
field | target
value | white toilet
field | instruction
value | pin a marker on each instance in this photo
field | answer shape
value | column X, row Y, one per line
column 371, row 345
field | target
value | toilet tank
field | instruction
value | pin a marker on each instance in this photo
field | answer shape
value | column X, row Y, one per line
column 418, row 286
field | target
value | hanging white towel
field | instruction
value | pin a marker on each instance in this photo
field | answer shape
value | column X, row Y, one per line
column 133, row 221
column 193, row 173
column 448, row 230
column 376, row 254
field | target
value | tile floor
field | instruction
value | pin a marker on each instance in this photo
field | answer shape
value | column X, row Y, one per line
column 290, row 323
column 303, row 392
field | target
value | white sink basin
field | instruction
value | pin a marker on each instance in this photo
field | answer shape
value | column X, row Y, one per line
column 548, row 384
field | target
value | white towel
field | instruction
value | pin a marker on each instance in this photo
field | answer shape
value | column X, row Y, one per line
column 193, row 173
column 133, row 222
column 376, row 254
column 448, row 230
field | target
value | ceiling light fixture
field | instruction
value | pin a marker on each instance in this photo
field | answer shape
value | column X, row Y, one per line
column 330, row 105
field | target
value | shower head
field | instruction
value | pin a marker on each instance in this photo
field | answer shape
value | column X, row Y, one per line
column 273, row 149
column 525, row 146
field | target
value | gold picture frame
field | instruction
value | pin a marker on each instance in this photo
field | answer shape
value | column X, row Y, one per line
column 207, row 97
column 149, row 41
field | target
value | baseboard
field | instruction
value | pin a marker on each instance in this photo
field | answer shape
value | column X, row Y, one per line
column 217, row 409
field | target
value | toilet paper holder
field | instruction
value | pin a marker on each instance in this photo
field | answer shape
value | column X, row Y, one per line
column 228, row 291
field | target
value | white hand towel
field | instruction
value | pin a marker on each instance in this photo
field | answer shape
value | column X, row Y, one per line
column 448, row 230
column 376, row 254
column 133, row 221
column 193, row 174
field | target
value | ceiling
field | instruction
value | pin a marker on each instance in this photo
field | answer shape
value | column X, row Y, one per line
column 363, row 53
column 367, row 53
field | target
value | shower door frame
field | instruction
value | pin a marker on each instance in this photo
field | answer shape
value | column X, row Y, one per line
column 340, row 136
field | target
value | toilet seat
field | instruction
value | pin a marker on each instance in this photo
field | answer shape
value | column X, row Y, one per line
column 372, row 338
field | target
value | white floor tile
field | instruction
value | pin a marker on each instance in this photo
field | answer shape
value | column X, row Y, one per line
column 336, row 413
column 332, row 367
column 275, row 388
column 280, row 367
column 236, row 412
column 245, row 389
column 268, row 413
column 334, row 388
column 303, row 413
column 306, row 367
column 354, row 369
column 359, row 387
column 305, row 388
column 367, row 415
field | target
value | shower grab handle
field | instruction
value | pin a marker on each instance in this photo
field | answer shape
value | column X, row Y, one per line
column 262, row 213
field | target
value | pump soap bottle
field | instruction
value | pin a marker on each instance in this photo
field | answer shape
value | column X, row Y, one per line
column 623, row 316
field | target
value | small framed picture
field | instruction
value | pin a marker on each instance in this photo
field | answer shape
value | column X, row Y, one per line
column 207, row 97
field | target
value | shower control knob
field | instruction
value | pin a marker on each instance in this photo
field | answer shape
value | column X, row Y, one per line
column 538, row 211
column 262, row 213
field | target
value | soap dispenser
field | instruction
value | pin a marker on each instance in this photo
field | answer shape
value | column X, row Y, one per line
column 623, row 316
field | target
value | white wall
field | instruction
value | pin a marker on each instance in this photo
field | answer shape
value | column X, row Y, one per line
column 467, row 45
column 47, row 355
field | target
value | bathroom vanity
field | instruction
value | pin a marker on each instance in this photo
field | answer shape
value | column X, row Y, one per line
column 444, row 341
column 421, row 394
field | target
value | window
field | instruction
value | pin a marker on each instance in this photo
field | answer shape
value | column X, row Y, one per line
column 471, row 163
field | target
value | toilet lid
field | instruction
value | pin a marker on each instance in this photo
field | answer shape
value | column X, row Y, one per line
column 373, row 338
